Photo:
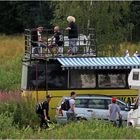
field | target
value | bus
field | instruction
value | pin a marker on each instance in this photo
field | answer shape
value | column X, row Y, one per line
column 82, row 73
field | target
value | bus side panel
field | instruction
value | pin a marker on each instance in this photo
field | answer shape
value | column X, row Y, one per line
column 127, row 95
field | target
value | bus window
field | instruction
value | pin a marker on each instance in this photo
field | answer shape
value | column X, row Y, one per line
column 82, row 79
column 135, row 75
column 111, row 80
column 37, row 77
column 121, row 105
column 57, row 79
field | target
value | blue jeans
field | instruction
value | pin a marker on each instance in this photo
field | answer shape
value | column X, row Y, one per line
column 73, row 44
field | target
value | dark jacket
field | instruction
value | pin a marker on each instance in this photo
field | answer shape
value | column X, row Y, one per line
column 73, row 33
column 58, row 38
column 34, row 37
column 46, row 107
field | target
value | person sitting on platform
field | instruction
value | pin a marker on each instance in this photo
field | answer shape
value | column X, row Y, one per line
column 52, row 49
column 36, row 40
column 58, row 39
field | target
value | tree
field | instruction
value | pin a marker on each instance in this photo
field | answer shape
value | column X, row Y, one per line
column 106, row 17
column 135, row 19
column 17, row 15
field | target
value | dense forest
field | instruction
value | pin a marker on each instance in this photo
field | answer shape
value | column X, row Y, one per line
column 114, row 21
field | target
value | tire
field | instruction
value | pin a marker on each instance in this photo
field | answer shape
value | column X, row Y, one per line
column 130, row 125
column 80, row 119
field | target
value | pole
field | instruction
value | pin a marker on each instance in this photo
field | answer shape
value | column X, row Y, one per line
column 46, row 79
column 138, row 113
column 36, row 83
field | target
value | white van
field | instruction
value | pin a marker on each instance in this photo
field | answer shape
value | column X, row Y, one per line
column 133, row 118
column 89, row 107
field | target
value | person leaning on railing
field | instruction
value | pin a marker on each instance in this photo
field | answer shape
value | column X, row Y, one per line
column 73, row 35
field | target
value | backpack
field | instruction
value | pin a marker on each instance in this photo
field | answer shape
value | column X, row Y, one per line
column 60, row 42
column 39, row 108
column 65, row 105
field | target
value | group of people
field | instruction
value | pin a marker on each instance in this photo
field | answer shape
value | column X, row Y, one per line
column 113, row 108
column 57, row 40
column 134, row 55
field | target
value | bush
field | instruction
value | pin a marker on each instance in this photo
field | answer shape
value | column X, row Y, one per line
column 24, row 114
column 8, row 130
column 22, row 109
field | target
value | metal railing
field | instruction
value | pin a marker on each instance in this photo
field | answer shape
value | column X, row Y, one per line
column 47, row 47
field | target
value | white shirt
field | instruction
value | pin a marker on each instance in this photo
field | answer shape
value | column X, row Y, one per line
column 39, row 36
column 135, row 54
column 126, row 53
column 71, row 102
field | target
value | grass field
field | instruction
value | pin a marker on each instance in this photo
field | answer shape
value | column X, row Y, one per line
column 11, row 52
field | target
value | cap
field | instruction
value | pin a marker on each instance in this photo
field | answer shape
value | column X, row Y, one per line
column 113, row 100
column 48, row 96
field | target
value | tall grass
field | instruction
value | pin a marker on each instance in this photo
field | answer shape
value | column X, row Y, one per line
column 119, row 51
column 131, row 47
column 11, row 47
column 11, row 52
column 18, row 120
column 21, row 109
column 93, row 130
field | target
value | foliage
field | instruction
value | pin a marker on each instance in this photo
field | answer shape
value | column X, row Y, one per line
column 8, row 130
column 16, row 116
column 22, row 109
column 109, row 18
column 11, row 52
column 11, row 75
column 115, row 22
column 134, row 16
column 24, row 114
column 93, row 129
column 17, row 15
column 18, row 120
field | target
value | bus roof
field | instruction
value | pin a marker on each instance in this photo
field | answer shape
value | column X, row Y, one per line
column 100, row 63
